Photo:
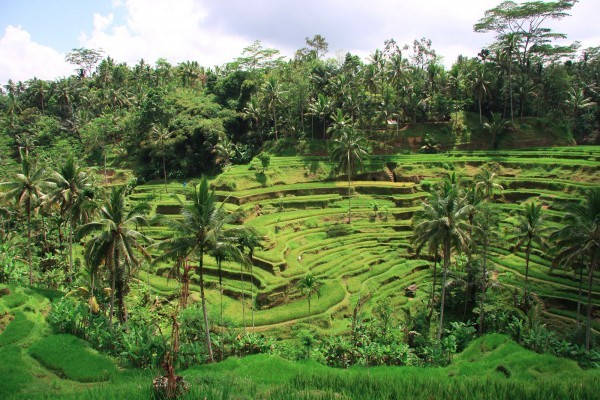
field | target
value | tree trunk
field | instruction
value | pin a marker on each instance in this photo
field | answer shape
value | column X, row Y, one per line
column 28, row 209
column 112, row 293
column 243, row 300
column 252, row 291
column 588, row 329
column 433, row 286
column 204, row 313
column 349, row 193
column 164, row 172
column 528, row 251
column 70, row 244
column 483, row 291
column 579, row 298
column 446, row 265
column 309, row 309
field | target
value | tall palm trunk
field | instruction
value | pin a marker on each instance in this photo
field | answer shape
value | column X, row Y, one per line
column 483, row 290
column 446, row 265
column 527, row 253
column 349, row 192
column 164, row 171
column 252, row 291
column 70, row 270
column 112, row 289
column 588, row 330
column 433, row 286
column 309, row 310
column 243, row 300
column 579, row 292
column 28, row 209
column 204, row 313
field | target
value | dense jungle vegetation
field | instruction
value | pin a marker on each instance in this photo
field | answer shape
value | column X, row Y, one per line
column 307, row 228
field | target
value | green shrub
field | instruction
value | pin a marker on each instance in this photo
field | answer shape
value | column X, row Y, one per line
column 72, row 358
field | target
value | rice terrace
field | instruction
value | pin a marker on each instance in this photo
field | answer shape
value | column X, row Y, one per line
column 307, row 228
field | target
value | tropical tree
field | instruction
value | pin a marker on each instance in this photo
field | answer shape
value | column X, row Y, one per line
column 481, row 89
column 309, row 284
column 529, row 230
column 248, row 240
column 72, row 189
column 443, row 219
column 496, row 127
column 486, row 223
column 159, row 135
column 485, row 183
column 117, row 243
column 579, row 240
column 321, row 108
column 272, row 96
column 26, row 190
column 349, row 148
column 201, row 229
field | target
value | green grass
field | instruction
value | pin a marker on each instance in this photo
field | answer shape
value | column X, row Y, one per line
column 19, row 328
column 72, row 358
column 14, row 373
column 14, row 300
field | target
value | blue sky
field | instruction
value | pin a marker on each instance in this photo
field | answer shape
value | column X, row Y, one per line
column 36, row 34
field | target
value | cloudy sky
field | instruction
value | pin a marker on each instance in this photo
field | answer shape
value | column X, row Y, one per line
column 36, row 34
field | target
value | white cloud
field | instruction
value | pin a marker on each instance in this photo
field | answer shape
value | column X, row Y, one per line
column 174, row 30
column 22, row 59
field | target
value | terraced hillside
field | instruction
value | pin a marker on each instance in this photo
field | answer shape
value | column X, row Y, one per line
column 299, row 208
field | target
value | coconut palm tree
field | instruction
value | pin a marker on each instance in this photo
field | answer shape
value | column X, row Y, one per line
column 117, row 243
column 485, row 183
column 72, row 189
column 349, row 148
column 496, row 126
column 480, row 89
column 579, row 239
column 248, row 240
column 26, row 190
column 309, row 284
column 443, row 219
column 530, row 229
column 321, row 108
column 158, row 136
column 202, row 229
column 272, row 96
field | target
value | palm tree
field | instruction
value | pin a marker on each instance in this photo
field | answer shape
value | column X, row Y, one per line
column 27, row 190
column 271, row 92
column 248, row 239
column 321, row 108
column 116, row 243
column 485, row 223
column 201, row 230
column 530, row 229
column 481, row 89
column 309, row 284
column 579, row 239
column 158, row 136
column 349, row 149
column 443, row 219
column 496, row 127
column 73, row 188
column 485, row 183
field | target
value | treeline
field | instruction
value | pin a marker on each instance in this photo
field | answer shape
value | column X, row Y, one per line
column 183, row 120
